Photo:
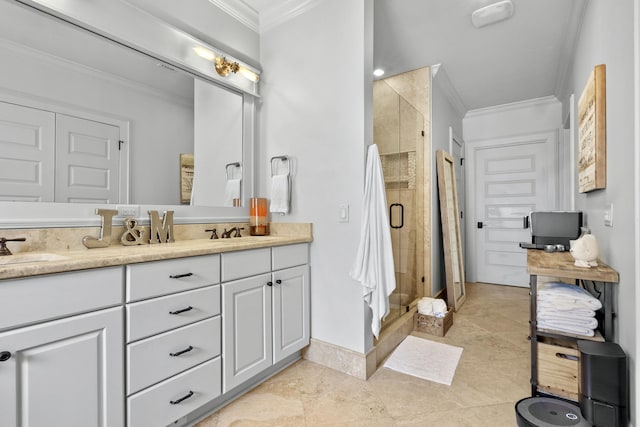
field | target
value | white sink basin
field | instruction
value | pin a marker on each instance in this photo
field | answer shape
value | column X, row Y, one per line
column 30, row 257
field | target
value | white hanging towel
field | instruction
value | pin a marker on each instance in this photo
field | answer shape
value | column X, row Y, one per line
column 373, row 266
column 231, row 191
column 280, row 193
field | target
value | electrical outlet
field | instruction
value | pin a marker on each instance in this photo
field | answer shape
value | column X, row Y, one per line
column 608, row 215
column 128, row 211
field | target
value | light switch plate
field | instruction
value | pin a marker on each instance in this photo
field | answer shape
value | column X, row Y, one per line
column 608, row 215
column 343, row 213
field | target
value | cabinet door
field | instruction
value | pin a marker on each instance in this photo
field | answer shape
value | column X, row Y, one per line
column 246, row 322
column 67, row 372
column 291, row 317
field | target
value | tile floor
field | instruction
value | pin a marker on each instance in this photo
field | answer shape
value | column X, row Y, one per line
column 493, row 373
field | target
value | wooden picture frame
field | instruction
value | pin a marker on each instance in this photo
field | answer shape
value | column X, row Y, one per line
column 592, row 132
column 186, row 178
column 451, row 237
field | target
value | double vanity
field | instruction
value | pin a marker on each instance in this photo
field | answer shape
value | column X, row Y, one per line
column 149, row 335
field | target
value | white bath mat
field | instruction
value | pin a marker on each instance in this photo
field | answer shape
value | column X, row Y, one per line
column 422, row 358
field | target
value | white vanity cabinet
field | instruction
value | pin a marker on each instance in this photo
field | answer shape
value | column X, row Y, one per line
column 61, row 345
column 173, row 338
column 266, row 315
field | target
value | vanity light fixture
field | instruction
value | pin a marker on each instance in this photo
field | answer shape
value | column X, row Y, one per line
column 223, row 66
column 492, row 14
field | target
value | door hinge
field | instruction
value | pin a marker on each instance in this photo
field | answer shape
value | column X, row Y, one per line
column 461, row 215
column 422, row 132
column 422, row 279
column 120, row 145
column 461, row 160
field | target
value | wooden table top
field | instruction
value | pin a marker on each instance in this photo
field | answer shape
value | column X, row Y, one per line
column 561, row 264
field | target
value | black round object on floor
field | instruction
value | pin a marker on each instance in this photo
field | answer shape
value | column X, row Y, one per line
column 548, row 412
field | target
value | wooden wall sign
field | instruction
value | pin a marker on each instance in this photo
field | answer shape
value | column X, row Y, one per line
column 186, row 178
column 592, row 132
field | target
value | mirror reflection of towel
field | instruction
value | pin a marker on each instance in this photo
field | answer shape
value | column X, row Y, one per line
column 279, row 194
column 231, row 191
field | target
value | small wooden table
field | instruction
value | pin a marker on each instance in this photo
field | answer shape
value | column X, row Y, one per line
column 561, row 265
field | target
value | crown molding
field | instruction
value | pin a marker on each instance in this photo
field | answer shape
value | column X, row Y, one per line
column 241, row 11
column 280, row 12
column 536, row 102
column 272, row 16
column 444, row 83
column 567, row 52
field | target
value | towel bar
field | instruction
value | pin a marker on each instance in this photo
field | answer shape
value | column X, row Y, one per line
column 283, row 159
column 229, row 171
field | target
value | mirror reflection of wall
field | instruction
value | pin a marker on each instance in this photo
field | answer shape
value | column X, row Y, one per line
column 54, row 68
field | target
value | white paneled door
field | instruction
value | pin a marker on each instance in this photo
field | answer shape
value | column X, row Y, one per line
column 87, row 161
column 27, row 145
column 512, row 179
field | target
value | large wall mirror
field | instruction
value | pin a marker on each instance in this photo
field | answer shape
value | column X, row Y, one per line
column 87, row 120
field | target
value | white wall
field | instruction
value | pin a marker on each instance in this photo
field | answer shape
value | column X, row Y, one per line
column 316, row 108
column 443, row 115
column 607, row 37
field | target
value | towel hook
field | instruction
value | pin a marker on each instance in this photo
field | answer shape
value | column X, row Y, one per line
column 229, row 169
column 283, row 159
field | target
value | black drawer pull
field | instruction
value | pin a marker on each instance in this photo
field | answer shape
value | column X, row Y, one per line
column 178, row 353
column 567, row 356
column 181, row 311
column 180, row 276
column 4, row 356
column 279, row 281
column 269, row 283
column 188, row 395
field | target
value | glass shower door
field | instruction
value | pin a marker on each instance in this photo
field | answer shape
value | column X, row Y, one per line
column 397, row 131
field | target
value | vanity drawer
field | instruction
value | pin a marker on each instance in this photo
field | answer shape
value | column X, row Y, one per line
column 35, row 299
column 237, row 265
column 151, row 279
column 150, row 317
column 154, row 407
column 150, row 360
column 289, row 256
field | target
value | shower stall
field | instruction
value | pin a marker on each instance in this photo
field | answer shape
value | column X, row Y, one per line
column 401, row 121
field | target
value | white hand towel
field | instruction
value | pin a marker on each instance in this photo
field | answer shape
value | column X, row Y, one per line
column 439, row 308
column 373, row 266
column 279, row 194
column 231, row 191
column 425, row 306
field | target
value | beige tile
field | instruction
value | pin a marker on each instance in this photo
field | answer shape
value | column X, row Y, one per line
column 492, row 375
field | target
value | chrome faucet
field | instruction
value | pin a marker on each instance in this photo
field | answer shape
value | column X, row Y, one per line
column 4, row 250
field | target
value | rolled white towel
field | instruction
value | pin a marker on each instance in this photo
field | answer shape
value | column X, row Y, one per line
column 425, row 306
column 439, row 308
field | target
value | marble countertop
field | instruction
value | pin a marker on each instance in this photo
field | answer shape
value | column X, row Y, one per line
column 21, row 265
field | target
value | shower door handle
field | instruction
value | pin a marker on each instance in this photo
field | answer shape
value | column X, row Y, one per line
column 391, row 222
